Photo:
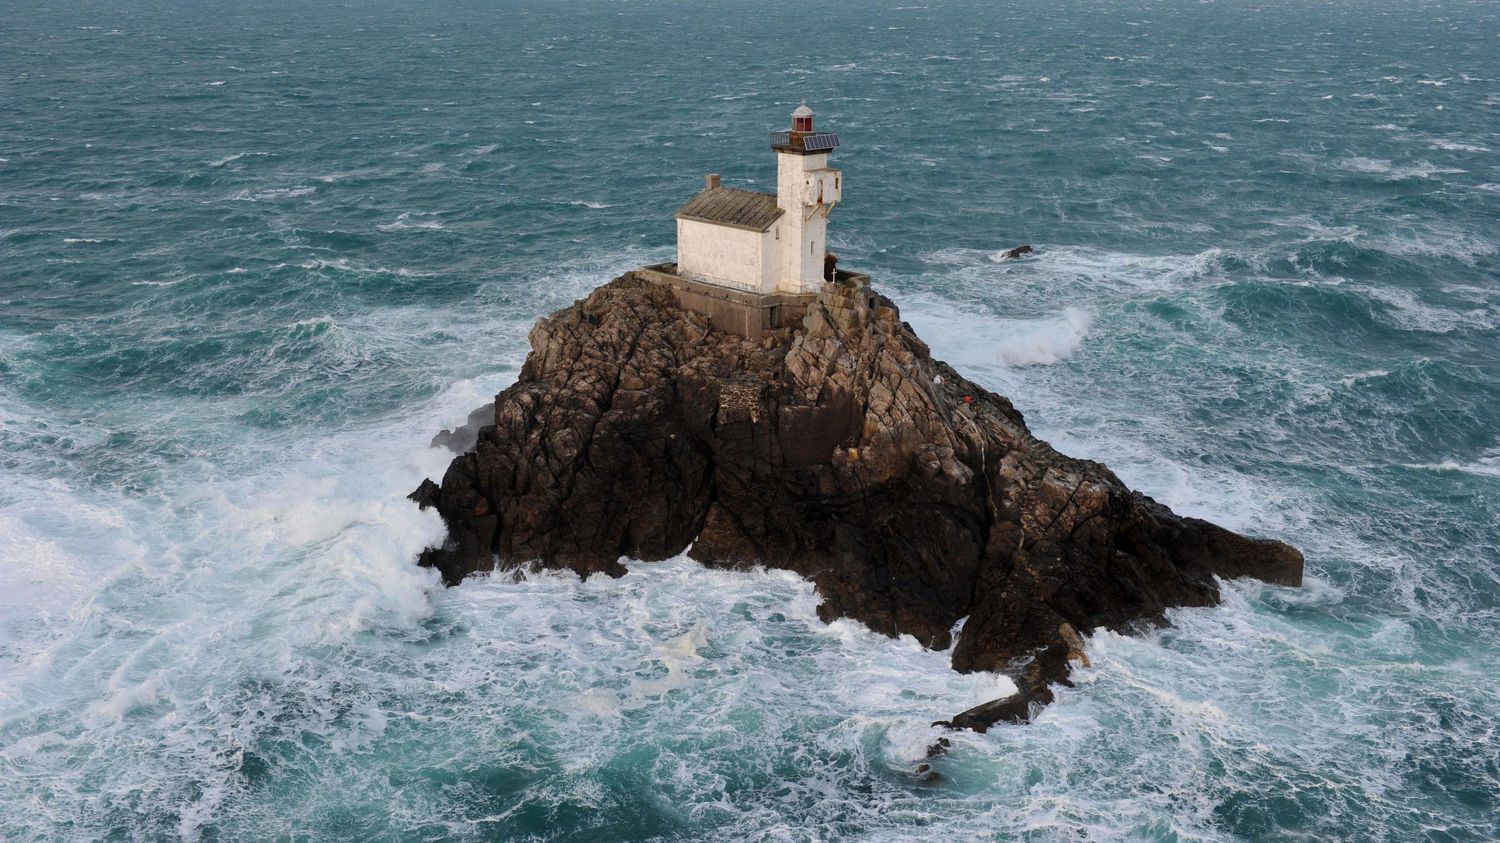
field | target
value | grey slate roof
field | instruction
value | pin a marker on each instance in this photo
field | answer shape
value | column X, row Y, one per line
column 733, row 207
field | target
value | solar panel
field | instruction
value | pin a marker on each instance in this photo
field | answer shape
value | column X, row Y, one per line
column 820, row 142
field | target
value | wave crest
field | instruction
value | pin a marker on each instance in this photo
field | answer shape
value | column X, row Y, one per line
column 1045, row 341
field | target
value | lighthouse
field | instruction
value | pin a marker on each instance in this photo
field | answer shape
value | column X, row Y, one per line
column 806, row 191
column 754, row 261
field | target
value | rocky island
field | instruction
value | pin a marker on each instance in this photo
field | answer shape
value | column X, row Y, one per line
column 757, row 405
column 835, row 447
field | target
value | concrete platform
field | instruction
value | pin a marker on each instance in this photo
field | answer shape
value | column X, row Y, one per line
column 748, row 314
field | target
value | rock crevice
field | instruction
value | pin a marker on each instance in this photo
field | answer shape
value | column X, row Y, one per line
column 841, row 450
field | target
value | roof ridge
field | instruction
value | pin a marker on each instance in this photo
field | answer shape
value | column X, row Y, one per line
column 738, row 190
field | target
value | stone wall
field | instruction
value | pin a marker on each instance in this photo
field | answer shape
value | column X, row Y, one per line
column 748, row 314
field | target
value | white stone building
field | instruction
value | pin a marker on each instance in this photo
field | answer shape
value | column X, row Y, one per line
column 766, row 243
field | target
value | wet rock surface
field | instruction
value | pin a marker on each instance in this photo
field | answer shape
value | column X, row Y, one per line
column 841, row 450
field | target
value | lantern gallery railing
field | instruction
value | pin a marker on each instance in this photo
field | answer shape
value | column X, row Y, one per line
column 816, row 142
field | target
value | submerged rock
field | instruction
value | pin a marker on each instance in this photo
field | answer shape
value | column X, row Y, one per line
column 840, row 450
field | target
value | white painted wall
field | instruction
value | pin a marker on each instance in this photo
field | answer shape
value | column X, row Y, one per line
column 770, row 256
column 733, row 257
column 806, row 189
column 822, row 186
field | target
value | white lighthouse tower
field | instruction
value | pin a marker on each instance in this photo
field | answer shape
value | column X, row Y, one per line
column 755, row 261
column 806, row 191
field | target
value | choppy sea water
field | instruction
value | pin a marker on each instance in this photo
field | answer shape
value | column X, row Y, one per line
column 251, row 259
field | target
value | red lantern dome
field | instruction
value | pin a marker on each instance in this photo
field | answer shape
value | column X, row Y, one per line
column 802, row 118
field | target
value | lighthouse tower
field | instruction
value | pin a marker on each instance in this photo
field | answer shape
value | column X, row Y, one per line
column 754, row 261
column 806, row 191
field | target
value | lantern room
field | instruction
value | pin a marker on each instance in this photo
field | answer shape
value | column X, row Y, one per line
column 802, row 118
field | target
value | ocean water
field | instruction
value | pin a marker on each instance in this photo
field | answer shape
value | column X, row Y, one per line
column 252, row 256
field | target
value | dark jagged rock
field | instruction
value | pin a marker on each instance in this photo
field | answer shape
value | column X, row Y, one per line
column 939, row 747
column 925, row 774
column 466, row 435
column 426, row 494
column 1012, row 254
column 840, row 450
column 1016, row 708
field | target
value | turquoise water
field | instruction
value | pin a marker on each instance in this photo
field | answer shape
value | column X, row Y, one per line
column 250, row 260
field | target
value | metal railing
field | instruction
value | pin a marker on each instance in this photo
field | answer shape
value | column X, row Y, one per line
column 815, row 142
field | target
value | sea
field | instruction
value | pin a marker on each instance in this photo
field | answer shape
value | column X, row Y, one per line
column 254, row 255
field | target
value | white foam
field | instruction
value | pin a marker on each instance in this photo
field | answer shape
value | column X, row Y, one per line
column 1486, row 466
column 1106, row 270
column 272, row 195
column 955, row 256
column 314, row 322
column 1044, row 341
column 229, row 159
column 405, row 221
column 1355, row 378
column 1395, row 172
column 346, row 265
column 1408, row 312
column 1464, row 247
column 1076, row 271
column 1457, row 146
column 39, row 577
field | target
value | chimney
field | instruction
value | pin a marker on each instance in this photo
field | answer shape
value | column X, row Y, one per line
column 711, row 180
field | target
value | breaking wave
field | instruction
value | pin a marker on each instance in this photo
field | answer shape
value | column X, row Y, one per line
column 1044, row 341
